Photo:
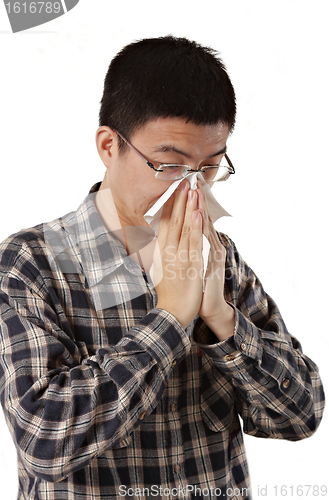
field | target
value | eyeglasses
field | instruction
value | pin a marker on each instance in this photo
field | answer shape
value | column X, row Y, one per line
column 174, row 171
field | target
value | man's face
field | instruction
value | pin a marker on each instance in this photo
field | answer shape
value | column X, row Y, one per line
column 133, row 183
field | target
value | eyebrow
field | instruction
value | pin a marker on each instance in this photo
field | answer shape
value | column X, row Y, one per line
column 164, row 148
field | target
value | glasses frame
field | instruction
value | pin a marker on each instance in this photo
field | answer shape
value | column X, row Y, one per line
column 231, row 169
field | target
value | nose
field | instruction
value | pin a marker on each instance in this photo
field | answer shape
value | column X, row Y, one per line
column 194, row 181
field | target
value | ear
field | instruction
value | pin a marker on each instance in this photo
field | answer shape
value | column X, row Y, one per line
column 107, row 144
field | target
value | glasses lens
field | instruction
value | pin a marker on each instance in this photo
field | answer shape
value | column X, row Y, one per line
column 211, row 173
column 170, row 172
column 215, row 174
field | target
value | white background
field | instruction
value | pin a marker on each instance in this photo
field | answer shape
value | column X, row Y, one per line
column 277, row 56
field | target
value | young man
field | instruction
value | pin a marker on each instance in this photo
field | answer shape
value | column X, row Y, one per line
column 123, row 370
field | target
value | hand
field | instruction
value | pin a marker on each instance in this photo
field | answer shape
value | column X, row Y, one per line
column 181, row 263
column 214, row 309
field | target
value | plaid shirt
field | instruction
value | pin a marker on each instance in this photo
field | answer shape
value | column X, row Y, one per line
column 107, row 396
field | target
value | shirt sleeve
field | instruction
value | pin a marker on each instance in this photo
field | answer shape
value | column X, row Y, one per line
column 278, row 390
column 63, row 406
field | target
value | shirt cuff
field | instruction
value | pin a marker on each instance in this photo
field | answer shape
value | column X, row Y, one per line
column 245, row 341
column 161, row 335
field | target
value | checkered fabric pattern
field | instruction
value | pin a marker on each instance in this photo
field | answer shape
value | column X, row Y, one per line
column 106, row 395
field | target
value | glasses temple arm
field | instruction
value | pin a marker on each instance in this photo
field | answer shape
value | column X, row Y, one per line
column 230, row 164
column 136, row 151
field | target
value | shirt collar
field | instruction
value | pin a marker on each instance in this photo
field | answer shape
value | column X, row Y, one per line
column 101, row 250
column 80, row 240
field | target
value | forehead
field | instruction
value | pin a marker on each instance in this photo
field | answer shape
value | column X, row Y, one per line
column 176, row 131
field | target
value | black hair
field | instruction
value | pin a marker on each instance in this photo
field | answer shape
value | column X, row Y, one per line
column 166, row 77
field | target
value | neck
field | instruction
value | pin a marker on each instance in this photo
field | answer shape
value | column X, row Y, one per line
column 132, row 230
column 112, row 210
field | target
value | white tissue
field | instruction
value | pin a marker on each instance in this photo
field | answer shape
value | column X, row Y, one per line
column 216, row 211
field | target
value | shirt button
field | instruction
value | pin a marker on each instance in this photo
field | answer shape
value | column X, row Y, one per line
column 177, row 468
column 142, row 415
column 172, row 407
column 286, row 383
column 174, row 362
column 229, row 357
column 243, row 346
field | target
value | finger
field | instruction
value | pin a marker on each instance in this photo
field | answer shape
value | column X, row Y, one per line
column 217, row 250
column 164, row 221
column 196, row 241
column 178, row 214
column 214, row 235
column 191, row 207
column 204, row 207
column 208, row 224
